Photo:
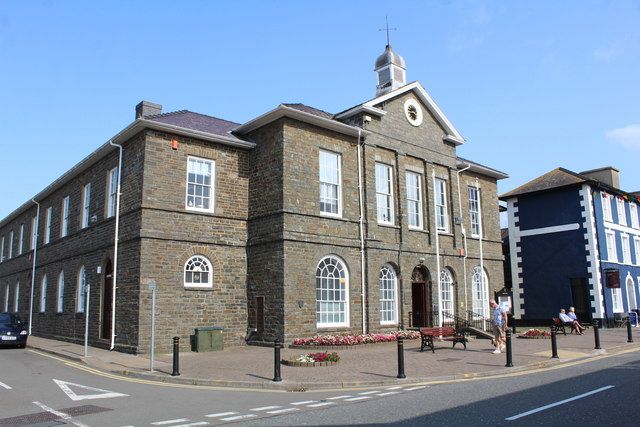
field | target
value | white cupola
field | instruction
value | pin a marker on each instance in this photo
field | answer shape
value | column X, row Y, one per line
column 390, row 70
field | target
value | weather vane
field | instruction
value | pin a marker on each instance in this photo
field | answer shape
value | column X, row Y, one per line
column 387, row 29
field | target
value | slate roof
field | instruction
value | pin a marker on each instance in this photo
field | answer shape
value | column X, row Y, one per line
column 557, row 178
column 196, row 121
column 310, row 110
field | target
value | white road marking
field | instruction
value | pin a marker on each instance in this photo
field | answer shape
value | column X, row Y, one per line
column 199, row 423
column 282, row 411
column 239, row 417
column 388, row 393
column 304, row 402
column 369, row 392
column 104, row 394
column 62, row 415
column 3, row 385
column 420, row 387
column 394, row 388
column 562, row 402
column 339, row 397
column 353, row 399
column 220, row 414
column 162, row 423
column 317, row 405
column 265, row 408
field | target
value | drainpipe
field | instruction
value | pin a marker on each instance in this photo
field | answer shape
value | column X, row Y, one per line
column 363, row 283
column 435, row 223
column 33, row 267
column 115, row 250
column 480, row 236
column 464, row 236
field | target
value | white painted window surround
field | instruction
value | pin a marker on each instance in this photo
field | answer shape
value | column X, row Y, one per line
column 616, row 299
column 636, row 249
column 6, row 297
column 21, row 241
column 10, row 248
column 442, row 215
column 64, row 217
column 43, row 294
column 631, row 293
column 2, row 249
column 200, row 184
column 112, row 189
column 60, row 293
column 480, row 292
column 447, row 291
column 622, row 213
column 34, row 232
column 86, row 203
column 198, row 272
column 384, row 193
column 16, row 297
column 606, row 206
column 332, row 293
column 474, row 211
column 81, row 296
column 47, row 225
column 612, row 254
column 414, row 200
column 330, row 183
column 388, row 282
column 633, row 208
column 626, row 251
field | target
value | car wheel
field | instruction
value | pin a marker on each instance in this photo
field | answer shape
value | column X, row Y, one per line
column 22, row 345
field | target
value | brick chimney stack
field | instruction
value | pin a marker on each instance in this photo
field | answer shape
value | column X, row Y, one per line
column 146, row 108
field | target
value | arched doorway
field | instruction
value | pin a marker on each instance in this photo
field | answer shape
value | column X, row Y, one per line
column 631, row 293
column 421, row 297
column 107, row 295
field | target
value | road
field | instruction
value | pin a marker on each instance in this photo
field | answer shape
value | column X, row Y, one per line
column 39, row 389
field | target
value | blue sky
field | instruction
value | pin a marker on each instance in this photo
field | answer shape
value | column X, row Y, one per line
column 530, row 85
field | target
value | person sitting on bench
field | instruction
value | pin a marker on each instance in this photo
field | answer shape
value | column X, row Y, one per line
column 575, row 325
column 572, row 316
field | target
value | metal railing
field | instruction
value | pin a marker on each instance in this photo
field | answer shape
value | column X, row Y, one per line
column 478, row 321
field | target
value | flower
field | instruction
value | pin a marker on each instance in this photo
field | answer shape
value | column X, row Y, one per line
column 318, row 357
column 349, row 340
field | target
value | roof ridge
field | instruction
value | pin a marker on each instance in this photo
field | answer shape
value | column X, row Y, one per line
column 170, row 113
column 210, row 116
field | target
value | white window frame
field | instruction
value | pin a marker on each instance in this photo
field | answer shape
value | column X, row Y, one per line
column 626, row 250
column 606, row 206
column 612, row 253
column 414, row 219
column 6, row 297
column 86, row 203
column 81, row 294
column 636, row 249
column 34, row 232
column 337, row 158
column 633, row 209
column 480, row 293
column 631, row 293
column 64, row 217
column 384, row 196
column 340, row 267
column 21, row 241
column 43, row 294
column 47, row 225
column 474, row 210
column 199, row 264
column 442, row 214
column 16, row 295
column 388, row 287
column 211, row 186
column 622, row 213
column 2, row 249
column 10, row 248
column 112, row 190
column 447, row 291
column 60, row 293
column 616, row 300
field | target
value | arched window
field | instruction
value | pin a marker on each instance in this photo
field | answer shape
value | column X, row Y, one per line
column 448, row 294
column 332, row 285
column 81, row 296
column 388, row 296
column 480, row 290
column 43, row 294
column 198, row 272
column 60, row 301
column 631, row 294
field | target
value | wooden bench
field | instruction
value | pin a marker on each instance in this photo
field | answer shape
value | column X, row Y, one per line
column 558, row 326
column 447, row 333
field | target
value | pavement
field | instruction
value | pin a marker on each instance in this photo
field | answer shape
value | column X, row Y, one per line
column 371, row 365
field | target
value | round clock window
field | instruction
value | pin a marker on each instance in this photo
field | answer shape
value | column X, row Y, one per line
column 413, row 112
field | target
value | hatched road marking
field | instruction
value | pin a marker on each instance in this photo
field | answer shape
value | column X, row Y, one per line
column 353, row 399
column 318, row 405
column 265, row 408
column 239, row 417
column 220, row 414
column 162, row 423
column 3, row 385
column 420, row 387
column 62, row 415
column 389, row 393
column 304, row 402
column 339, row 397
column 369, row 392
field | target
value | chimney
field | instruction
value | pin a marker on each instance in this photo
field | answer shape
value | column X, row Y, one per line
column 607, row 175
column 146, row 108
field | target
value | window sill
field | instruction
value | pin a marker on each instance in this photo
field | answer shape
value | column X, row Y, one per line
column 382, row 224
column 445, row 233
column 198, row 288
column 419, row 230
column 332, row 326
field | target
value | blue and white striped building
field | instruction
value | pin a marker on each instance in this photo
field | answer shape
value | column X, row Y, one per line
column 574, row 240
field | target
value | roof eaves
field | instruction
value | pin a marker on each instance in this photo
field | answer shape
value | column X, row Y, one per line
column 360, row 109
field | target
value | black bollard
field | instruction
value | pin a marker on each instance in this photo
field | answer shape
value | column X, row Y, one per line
column 401, row 358
column 596, row 334
column 176, row 351
column 629, row 334
column 276, row 361
column 554, row 345
column 509, row 355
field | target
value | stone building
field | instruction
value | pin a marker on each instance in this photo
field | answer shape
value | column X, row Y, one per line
column 296, row 223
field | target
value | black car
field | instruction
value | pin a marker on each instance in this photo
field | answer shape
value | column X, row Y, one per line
column 13, row 331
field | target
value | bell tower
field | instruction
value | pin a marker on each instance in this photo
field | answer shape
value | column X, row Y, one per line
column 390, row 69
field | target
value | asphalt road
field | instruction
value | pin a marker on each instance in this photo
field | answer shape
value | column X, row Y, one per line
column 37, row 389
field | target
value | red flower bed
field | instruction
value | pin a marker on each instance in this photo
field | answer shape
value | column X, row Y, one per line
column 535, row 333
column 348, row 340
